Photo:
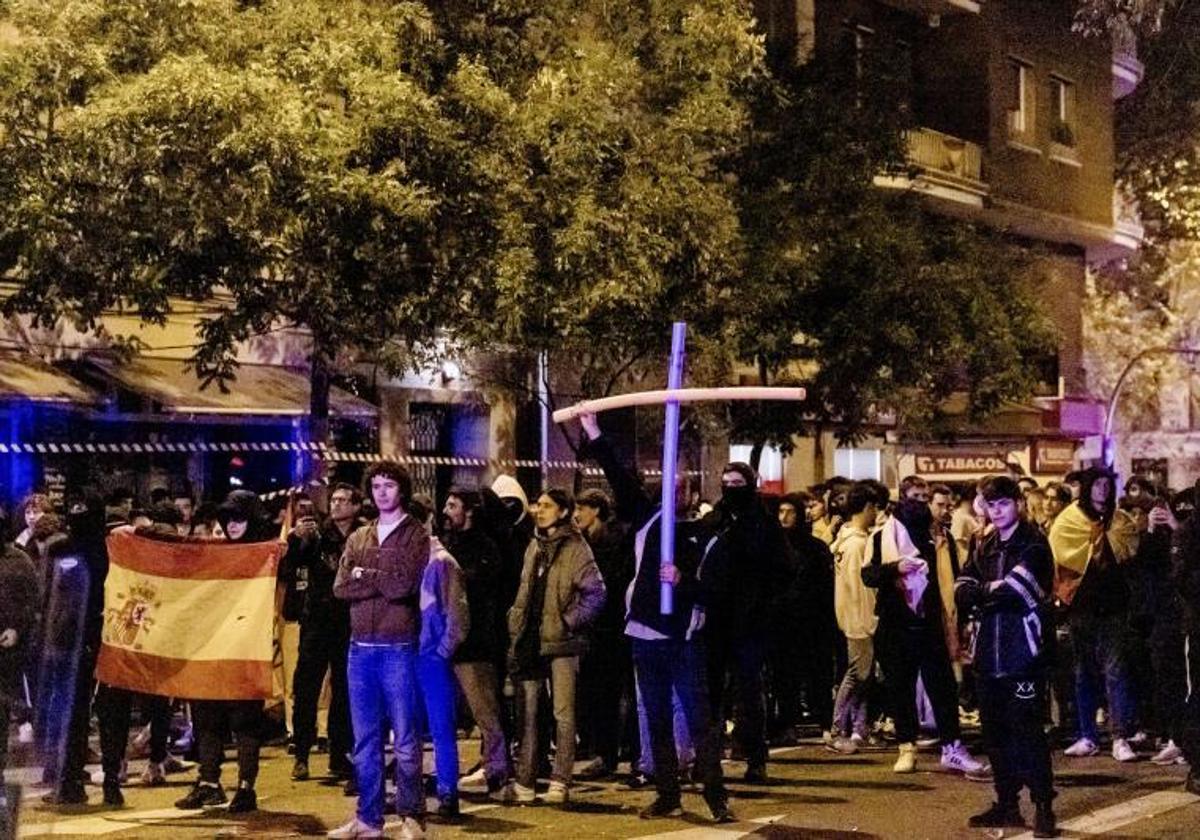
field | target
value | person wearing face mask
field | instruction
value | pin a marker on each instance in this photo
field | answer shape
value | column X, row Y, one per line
column 1185, row 554
column 560, row 596
column 1092, row 541
column 748, row 566
column 72, row 625
column 242, row 521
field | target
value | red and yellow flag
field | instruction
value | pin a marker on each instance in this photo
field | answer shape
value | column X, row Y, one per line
column 188, row 619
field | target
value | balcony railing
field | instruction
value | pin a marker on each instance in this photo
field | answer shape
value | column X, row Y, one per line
column 1127, row 219
column 1127, row 69
column 945, row 155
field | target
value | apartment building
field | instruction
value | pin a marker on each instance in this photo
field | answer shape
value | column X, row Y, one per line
column 1013, row 117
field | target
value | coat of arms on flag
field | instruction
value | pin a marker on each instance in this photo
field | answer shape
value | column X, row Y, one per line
column 188, row 619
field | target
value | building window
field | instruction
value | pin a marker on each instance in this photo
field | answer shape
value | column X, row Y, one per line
column 858, row 464
column 856, row 40
column 1021, row 100
column 770, row 465
column 1062, row 102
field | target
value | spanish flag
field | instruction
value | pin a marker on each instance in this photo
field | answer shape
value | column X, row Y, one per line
column 188, row 619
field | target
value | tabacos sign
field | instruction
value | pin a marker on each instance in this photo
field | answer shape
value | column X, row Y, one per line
column 960, row 461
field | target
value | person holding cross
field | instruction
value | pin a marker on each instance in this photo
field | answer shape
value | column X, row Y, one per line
column 668, row 650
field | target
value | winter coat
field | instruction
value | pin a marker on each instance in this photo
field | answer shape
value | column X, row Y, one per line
column 482, row 568
column 382, row 582
column 1015, row 619
column 574, row 593
column 20, row 586
column 445, row 617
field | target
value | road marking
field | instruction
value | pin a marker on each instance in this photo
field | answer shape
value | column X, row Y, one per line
column 1124, row 813
column 715, row 832
column 100, row 824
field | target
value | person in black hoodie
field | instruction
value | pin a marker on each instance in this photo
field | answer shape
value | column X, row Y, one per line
column 810, row 601
column 748, row 566
column 73, row 621
column 1185, row 552
column 606, row 672
column 1005, row 586
column 18, row 609
column 466, row 538
column 242, row 520
column 315, row 550
column 668, row 650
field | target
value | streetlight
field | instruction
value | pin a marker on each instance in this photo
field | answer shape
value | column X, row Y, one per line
column 1107, row 451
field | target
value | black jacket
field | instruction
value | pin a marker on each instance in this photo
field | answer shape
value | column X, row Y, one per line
column 20, row 586
column 642, row 522
column 748, row 567
column 810, row 597
column 1015, row 618
column 310, row 567
column 612, row 554
column 1185, row 556
column 482, row 567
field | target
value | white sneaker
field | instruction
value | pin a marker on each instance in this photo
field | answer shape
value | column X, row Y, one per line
column 25, row 733
column 1138, row 738
column 411, row 829
column 1082, row 748
column 557, row 794
column 154, row 775
column 957, row 757
column 1169, row 754
column 907, row 762
column 927, row 741
column 1121, row 750
column 523, row 795
column 857, row 740
column 476, row 779
column 845, row 746
column 122, row 777
column 353, row 830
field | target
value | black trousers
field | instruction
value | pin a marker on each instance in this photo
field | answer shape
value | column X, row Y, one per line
column 906, row 653
column 74, row 754
column 742, row 660
column 1167, row 654
column 785, row 675
column 211, row 720
column 324, row 646
column 603, row 678
column 1011, row 714
column 1189, row 730
column 114, row 708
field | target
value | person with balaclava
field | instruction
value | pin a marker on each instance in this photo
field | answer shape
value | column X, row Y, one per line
column 1185, row 553
column 242, row 521
column 560, row 596
column 72, row 622
column 748, row 565
column 18, row 610
column 1092, row 541
column 910, row 638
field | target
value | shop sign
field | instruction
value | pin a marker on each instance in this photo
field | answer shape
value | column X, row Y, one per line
column 1053, row 456
column 972, row 461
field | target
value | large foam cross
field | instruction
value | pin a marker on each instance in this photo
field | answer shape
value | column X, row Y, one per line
column 672, row 397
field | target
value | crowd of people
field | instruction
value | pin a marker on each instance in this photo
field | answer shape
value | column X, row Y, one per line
column 1042, row 613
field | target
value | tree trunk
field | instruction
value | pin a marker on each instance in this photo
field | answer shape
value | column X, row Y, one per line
column 318, row 409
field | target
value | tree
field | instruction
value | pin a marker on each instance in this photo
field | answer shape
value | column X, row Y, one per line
column 291, row 156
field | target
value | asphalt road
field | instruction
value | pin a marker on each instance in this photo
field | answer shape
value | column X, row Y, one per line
column 812, row 794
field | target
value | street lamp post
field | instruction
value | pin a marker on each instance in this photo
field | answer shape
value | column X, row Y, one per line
column 1107, row 451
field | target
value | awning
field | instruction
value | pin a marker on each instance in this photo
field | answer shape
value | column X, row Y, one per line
column 268, row 390
column 24, row 377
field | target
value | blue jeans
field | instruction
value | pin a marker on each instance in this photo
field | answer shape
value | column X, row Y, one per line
column 670, row 667
column 683, row 740
column 437, row 696
column 383, row 689
column 1102, row 653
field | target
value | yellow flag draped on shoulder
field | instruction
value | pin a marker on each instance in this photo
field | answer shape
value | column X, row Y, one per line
column 1072, row 537
column 188, row 619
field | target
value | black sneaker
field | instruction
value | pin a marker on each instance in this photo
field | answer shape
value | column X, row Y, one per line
column 447, row 807
column 756, row 774
column 351, row 787
column 661, row 808
column 720, row 812
column 112, row 794
column 244, row 801
column 300, row 771
column 998, row 816
column 69, row 793
column 1043, row 821
column 639, row 780
column 202, row 795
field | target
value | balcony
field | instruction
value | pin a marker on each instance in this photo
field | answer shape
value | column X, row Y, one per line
column 1127, row 69
column 931, row 8
column 948, row 168
column 1127, row 220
